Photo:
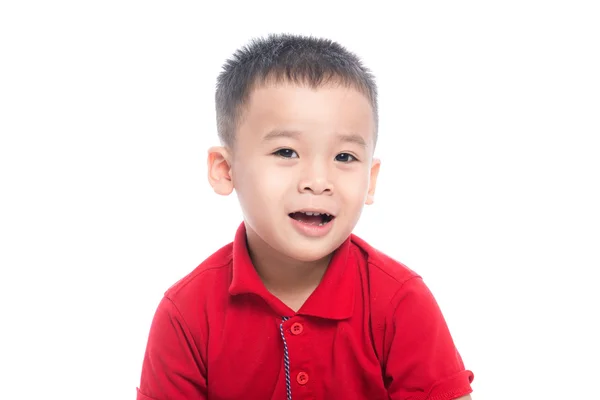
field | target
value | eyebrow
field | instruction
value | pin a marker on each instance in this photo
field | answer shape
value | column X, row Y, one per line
column 276, row 134
column 352, row 138
column 342, row 137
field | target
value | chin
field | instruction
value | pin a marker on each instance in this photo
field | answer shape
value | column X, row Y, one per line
column 311, row 251
column 296, row 246
column 308, row 255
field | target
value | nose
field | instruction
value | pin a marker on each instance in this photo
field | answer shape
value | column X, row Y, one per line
column 316, row 180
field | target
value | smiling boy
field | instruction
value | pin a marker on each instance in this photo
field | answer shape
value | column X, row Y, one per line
column 297, row 306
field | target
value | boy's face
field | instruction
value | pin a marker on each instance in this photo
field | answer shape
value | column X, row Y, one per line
column 298, row 151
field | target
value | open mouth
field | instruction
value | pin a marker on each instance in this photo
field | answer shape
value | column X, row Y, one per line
column 312, row 218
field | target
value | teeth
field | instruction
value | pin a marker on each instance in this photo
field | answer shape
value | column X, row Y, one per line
column 315, row 213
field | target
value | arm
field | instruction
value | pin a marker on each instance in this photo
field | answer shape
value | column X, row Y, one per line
column 422, row 360
column 173, row 365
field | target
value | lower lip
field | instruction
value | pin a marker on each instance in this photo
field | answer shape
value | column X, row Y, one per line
column 312, row 230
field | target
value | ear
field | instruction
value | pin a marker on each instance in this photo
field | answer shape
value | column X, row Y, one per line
column 219, row 170
column 373, row 180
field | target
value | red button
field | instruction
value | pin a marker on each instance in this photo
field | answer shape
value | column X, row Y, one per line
column 302, row 378
column 297, row 328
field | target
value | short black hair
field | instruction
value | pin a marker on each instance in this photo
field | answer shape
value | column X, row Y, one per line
column 285, row 57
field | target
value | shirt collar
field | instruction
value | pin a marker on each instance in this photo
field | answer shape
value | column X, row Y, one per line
column 332, row 299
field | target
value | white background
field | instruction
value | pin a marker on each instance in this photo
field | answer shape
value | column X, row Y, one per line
column 489, row 185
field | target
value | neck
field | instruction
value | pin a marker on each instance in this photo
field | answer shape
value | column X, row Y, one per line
column 281, row 275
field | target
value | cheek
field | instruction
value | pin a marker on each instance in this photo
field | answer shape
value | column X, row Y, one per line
column 259, row 183
column 353, row 187
column 278, row 180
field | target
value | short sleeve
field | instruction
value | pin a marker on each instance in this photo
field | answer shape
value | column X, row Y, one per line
column 422, row 361
column 173, row 368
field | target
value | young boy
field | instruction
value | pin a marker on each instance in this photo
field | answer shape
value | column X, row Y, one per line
column 297, row 307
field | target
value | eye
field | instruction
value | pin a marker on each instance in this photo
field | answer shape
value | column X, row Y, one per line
column 345, row 158
column 286, row 153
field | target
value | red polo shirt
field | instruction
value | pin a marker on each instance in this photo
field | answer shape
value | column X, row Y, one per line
column 371, row 330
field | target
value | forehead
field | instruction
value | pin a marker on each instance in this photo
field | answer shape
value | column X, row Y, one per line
column 329, row 109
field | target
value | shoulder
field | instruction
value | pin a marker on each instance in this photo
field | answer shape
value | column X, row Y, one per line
column 391, row 287
column 208, row 280
column 386, row 274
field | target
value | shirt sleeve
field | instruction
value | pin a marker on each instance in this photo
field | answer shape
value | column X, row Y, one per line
column 422, row 361
column 173, row 367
